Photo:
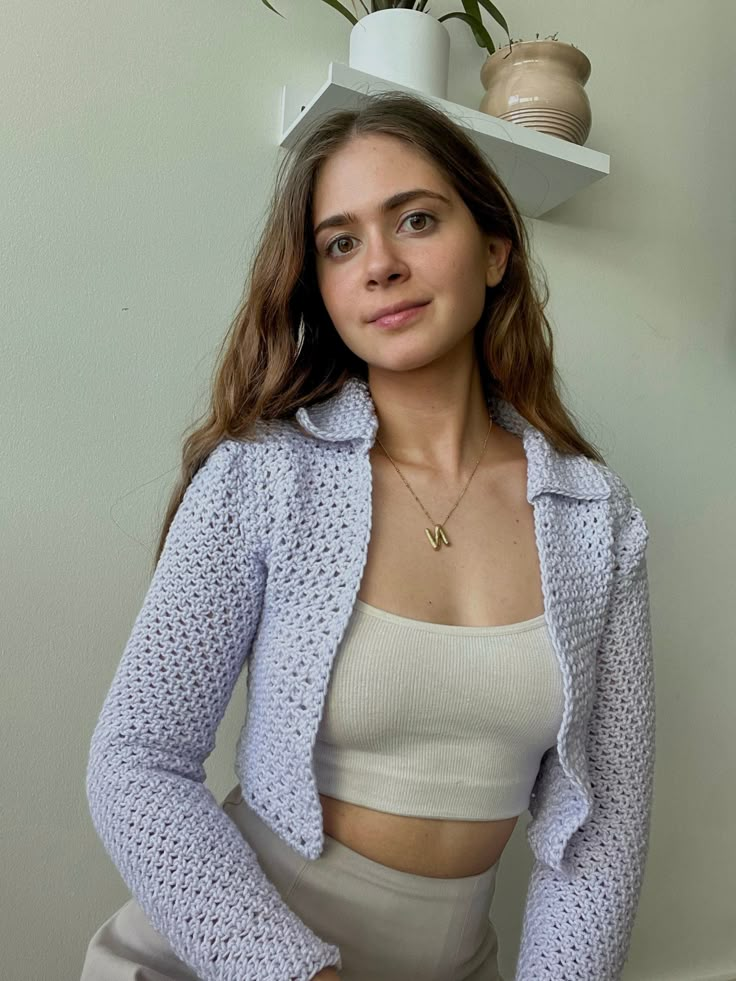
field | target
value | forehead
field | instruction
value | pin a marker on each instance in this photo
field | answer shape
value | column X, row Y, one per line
column 368, row 169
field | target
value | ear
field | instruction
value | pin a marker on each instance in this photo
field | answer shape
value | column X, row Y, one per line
column 499, row 250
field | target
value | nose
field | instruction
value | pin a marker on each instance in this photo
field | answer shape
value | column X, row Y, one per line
column 383, row 261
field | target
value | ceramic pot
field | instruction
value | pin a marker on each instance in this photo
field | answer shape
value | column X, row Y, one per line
column 540, row 84
column 405, row 46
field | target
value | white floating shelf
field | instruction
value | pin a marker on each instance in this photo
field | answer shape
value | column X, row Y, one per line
column 540, row 171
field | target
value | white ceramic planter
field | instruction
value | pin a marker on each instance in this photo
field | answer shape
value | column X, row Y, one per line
column 405, row 46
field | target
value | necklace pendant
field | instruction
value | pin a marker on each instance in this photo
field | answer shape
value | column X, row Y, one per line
column 439, row 533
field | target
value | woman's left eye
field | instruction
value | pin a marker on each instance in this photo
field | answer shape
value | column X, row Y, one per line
column 417, row 214
column 422, row 215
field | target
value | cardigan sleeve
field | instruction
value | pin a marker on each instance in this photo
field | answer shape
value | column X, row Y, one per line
column 579, row 928
column 184, row 860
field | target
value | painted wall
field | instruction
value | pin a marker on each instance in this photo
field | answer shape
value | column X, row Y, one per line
column 137, row 154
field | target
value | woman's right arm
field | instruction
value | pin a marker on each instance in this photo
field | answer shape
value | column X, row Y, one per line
column 184, row 860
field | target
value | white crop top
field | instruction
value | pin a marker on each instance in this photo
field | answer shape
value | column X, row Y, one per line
column 438, row 721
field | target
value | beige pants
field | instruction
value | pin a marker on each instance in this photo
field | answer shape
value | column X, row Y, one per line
column 389, row 925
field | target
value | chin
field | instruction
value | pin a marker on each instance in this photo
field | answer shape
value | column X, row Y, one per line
column 402, row 363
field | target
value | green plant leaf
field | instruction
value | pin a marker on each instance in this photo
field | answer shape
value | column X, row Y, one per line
column 336, row 5
column 473, row 10
column 477, row 27
column 496, row 15
column 272, row 8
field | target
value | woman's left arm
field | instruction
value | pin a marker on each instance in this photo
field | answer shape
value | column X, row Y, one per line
column 579, row 929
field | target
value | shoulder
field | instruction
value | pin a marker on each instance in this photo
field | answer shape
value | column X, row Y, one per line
column 621, row 497
column 599, row 483
column 280, row 446
column 268, row 466
column 630, row 528
column 253, row 456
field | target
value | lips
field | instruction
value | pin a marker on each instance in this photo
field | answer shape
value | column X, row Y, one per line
column 393, row 321
column 397, row 308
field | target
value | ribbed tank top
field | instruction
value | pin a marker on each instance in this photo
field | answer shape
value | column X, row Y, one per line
column 435, row 720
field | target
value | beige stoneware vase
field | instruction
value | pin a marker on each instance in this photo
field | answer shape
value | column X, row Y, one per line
column 540, row 84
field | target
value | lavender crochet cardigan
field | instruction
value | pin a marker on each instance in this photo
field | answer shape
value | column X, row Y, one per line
column 262, row 563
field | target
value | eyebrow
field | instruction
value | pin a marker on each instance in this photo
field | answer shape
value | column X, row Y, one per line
column 395, row 201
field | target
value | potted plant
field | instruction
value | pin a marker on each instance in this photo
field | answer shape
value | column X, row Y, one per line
column 539, row 84
column 401, row 41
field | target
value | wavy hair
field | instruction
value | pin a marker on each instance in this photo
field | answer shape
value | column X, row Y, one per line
column 282, row 351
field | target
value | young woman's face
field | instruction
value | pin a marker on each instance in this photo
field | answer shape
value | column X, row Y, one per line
column 428, row 250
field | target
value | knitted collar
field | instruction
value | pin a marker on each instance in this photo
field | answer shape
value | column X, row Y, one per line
column 350, row 414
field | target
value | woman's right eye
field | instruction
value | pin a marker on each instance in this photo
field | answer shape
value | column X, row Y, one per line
column 342, row 238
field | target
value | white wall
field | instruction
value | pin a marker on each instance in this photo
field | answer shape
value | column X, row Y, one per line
column 138, row 147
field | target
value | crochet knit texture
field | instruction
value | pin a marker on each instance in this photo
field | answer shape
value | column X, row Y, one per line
column 262, row 562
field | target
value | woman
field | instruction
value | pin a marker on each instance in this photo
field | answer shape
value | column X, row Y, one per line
column 413, row 685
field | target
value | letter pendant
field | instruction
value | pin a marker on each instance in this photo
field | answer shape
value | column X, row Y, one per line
column 434, row 540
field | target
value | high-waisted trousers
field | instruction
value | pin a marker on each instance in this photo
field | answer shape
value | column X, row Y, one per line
column 389, row 925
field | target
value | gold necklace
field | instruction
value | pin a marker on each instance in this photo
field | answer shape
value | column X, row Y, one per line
column 439, row 531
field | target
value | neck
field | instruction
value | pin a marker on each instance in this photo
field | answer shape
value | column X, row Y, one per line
column 431, row 425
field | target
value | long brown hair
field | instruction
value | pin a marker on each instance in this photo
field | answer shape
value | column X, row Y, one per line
column 282, row 351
